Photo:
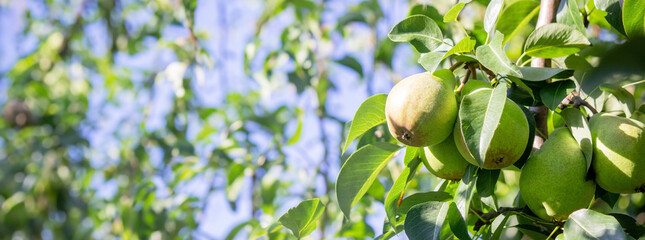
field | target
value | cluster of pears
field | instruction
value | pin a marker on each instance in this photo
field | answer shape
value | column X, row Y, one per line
column 422, row 111
column 554, row 181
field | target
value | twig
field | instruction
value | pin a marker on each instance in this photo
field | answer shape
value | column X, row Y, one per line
column 455, row 66
column 490, row 73
column 473, row 71
column 487, row 218
column 574, row 98
column 463, row 81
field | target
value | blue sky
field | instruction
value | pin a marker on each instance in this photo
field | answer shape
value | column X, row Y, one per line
column 230, row 25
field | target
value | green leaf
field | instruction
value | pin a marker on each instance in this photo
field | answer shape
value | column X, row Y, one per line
column 205, row 132
column 352, row 63
column 614, row 13
column 524, row 87
column 554, row 40
column 453, row 13
column 515, row 17
column 412, row 155
column 569, row 14
column 498, row 225
column 296, row 135
column 355, row 230
column 529, row 146
column 541, row 74
column 430, row 12
column 466, row 44
column 430, row 61
column 425, row 220
column 301, row 220
column 370, row 114
column 486, row 180
column 417, row 198
column 420, row 31
column 623, row 96
column 634, row 18
column 479, row 116
column 579, row 128
column 359, row 172
column 466, row 190
column 629, row 224
column 391, row 203
column 456, row 222
column 492, row 12
column 553, row 93
column 589, row 224
column 494, row 58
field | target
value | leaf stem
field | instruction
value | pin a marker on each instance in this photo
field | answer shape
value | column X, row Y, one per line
column 463, row 82
column 526, row 62
column 634, row 83
column 554, row 230
column 520, row 58
column 462, row 27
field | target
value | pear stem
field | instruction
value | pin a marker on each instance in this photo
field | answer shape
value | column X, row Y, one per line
column 554, row 230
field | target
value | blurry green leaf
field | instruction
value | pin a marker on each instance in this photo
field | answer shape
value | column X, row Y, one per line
column 554, row 40
column 296, row 135
column 429, row 11
column 359, row 172
column 629, row 224
column 370, row 114
column 541, row 74
column 355, row 230
column 420, row 31
column 206, row 132
column 301, row 220
column 614, row 13
column 352, row 63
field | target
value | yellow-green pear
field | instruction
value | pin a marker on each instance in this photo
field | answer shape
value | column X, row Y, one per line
column 619, row 153
column 421, row 109
column 553, row 180
column 444, row 161
column 509, row 141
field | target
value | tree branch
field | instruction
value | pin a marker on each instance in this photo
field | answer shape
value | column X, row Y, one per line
column 548, row 9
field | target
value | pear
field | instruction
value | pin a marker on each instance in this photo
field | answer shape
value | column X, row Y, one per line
column 509, row 141
column 619, row 153
column 444, row 161
column 421, row 109
column 553, row 180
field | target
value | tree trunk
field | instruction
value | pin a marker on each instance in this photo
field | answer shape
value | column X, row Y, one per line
column 548, row 10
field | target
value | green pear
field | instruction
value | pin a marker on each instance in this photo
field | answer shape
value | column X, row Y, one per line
column 553, row 180
column 421, row 109
column 444, row 161
column 619, row 153
column 509, row 141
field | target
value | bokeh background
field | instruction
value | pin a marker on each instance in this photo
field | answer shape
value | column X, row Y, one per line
column 209, row 119
column 170, row 119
